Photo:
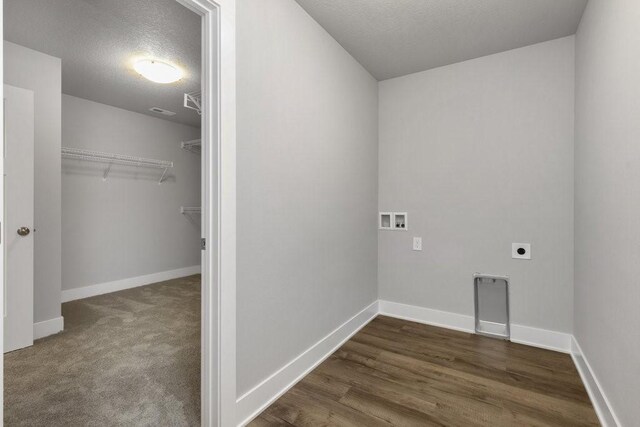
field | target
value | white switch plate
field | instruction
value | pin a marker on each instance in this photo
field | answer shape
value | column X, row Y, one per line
column 417, row 243
column 521, row 250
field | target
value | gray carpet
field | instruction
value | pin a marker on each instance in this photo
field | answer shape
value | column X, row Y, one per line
column 130, row 358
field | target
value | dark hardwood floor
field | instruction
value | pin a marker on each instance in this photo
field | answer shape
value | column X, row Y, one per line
column 400, row 373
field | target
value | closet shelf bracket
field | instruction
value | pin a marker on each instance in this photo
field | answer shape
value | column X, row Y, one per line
column 189, row 209
column 194, row 145
column 193, row 101
column 164, row 173
column 106, row 172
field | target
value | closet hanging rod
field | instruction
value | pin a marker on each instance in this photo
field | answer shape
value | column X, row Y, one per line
column 115, row 159
column 189, row 209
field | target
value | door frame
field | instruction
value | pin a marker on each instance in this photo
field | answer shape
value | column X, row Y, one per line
column 218, row 339
column 2, row 246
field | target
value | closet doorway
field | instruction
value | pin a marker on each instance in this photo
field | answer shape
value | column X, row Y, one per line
column 133, row 218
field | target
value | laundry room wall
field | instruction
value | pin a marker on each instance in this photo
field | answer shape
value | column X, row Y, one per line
column 480, row 155
column 307, row 187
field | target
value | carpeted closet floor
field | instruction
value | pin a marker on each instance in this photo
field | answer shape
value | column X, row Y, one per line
column 126, row 358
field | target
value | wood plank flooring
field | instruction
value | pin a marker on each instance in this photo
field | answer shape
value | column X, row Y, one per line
column 400, row 373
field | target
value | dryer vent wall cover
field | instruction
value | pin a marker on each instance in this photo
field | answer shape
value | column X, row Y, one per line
column 491, row 295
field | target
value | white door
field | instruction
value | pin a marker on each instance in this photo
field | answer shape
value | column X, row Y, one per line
column 18, row 227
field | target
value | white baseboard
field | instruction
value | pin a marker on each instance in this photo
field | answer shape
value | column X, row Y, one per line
column 542, row 338
column 550, row 340
column 256, row 400
column 428, row 316
column 599, row 400
column 48, row 327
column 132, row 282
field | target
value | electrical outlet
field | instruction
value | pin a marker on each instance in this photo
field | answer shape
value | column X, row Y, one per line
column 417, row 243
column 521, row 250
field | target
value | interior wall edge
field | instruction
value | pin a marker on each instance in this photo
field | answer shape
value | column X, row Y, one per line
column 128, row 283
column 599, row 399
column 256, row 400
column 606, row 291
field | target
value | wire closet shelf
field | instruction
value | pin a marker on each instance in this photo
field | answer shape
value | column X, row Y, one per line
column 111, row 159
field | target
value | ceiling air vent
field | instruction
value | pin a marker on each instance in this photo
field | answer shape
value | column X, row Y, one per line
column 162, row 111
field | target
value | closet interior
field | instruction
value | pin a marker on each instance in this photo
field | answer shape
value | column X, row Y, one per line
column 109, row 95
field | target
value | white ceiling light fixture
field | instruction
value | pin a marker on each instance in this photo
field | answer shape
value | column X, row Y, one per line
column 158, row 71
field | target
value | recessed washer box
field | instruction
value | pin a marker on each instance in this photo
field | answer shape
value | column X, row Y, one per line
column 521, row 250
column 400, row 221
column 386, row 221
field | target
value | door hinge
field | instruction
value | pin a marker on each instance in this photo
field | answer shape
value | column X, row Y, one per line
column 203, row 244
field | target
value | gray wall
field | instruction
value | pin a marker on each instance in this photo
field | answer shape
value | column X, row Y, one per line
column 607, row 202
column 129, row 225
column 307, row 186
column 480, row 155
column 41, row 73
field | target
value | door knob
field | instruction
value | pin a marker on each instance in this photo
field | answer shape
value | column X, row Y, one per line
column 23, row 231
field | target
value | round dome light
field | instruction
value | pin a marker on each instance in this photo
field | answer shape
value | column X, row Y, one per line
column 158, row 71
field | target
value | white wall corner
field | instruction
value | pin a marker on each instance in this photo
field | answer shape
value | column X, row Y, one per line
column 256, row 400
column 48, row 327
column 599, row 400
column 132, row 282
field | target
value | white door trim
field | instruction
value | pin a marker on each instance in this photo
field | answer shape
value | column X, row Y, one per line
column 219, row 210
column 2, row 302
column 218, row 389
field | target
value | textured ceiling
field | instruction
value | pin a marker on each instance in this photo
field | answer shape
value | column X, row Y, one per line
column 391, row 38
column 97, row 39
